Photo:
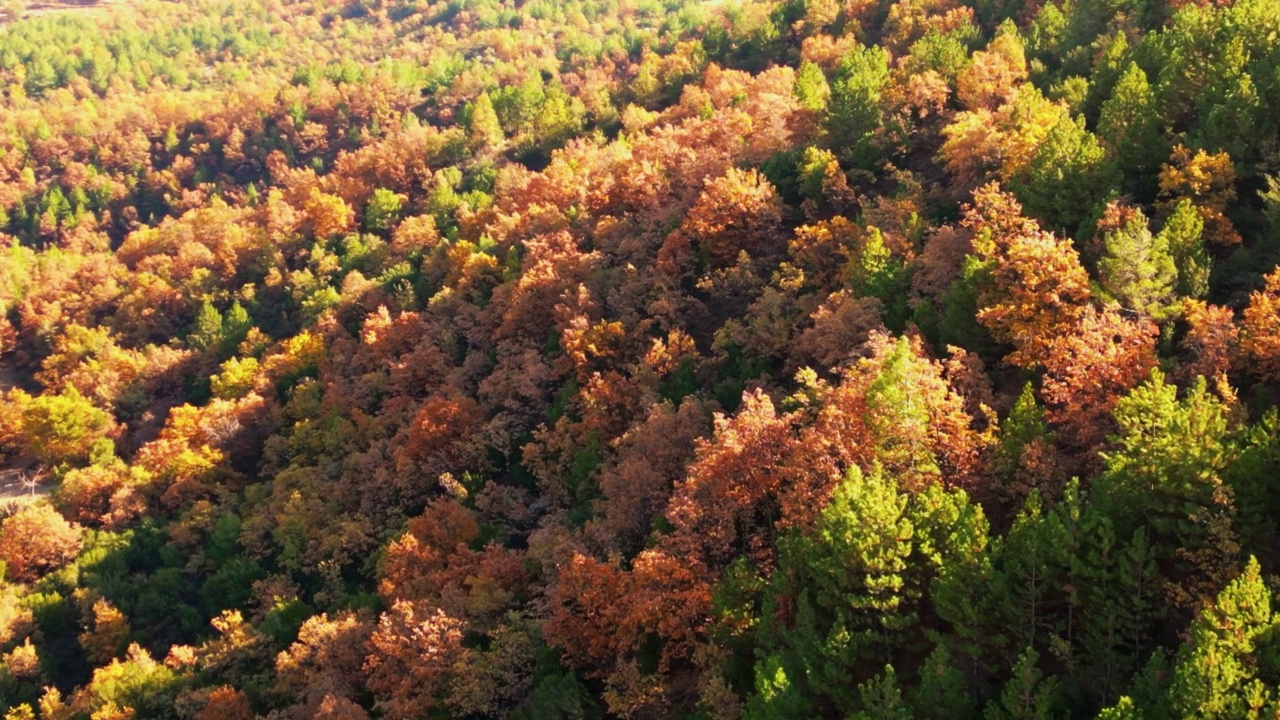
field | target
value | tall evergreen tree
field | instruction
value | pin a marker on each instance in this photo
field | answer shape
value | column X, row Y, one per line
column 1130, row 129
column 855, row 110
column 1183, row 234
column 1216, row 676
column 1069, row 175
column 1166, row 475
column 1138, row 270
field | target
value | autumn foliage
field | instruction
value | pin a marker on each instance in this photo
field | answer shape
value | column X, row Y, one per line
column 768, row 359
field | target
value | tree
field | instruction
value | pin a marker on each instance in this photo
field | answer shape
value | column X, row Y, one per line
column 1260, row 329
column 1025, row 456
column 326, row 659
column 1216, row 673
column 1208, row 181
column 1211, row 346
column 738, row 211
column 848, row 587
column 412, row 652
column 882, row 699
column 383, row 211
column 1138, row 269
column 854, row 111
column 329, row 214
column 1166, row 476
column 1068, row 176
column 993, row 75
column 943, row 692
column 1183, row 233
column 1033, row 287
column 226, row 703
column 62, row 428
column 811, row 88
column 878, row 273
column 1129, row 127
column 206, row 331
column 1088, row 370
column 36, row 540
column 483, row 129
column 1028, row 695
column 726, row 500
column 108, row 634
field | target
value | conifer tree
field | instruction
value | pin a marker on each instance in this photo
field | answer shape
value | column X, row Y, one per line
column 811, row 88
column 1183, row 234
column 854, row 108
column 484, row 132
column 942, row 692
column 206, row 332
column 1068, row 176
column 1138, row 270
column 848, row 580
column 1216, row 675
column 1130, row 128
column 1166, row 475
column 882, row 699
column 1028, row 695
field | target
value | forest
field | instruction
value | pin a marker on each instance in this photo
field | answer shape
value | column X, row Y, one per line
column 644, row 359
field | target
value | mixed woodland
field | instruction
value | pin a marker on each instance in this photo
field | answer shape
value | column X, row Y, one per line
column 536, row 359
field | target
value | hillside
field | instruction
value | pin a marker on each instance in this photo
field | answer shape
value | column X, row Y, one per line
column 759, row 359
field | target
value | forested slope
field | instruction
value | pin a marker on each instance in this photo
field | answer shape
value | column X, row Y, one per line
column 470, row 359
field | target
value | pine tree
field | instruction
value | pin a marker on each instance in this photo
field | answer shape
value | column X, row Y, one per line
column 811, row 88
column 942, row 692
column 851, row 608
column 1069, row 175
column 855, row 111
column 484, row 132
column 1025, row 457
column 882, row 699
column 1130, row 129
column 1166, row 475
column 877, row 273
column 964, row 594
column 1027, row 695
column 1216, row 673
column 1124, row 709
column 1118, row 585
column 1183, row 234
column 206, row 332
column 1027, row 577
column 776, row 698
column 235, row 327
column 1138, row 270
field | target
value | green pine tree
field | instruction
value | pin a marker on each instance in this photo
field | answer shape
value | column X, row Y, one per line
column 942, row 692
column 483, row 129
column 877, row 273
column 1215, row 676
column 811, row 88
column 1124, row 709
column 1182, row 234
column 1138, row 270
column 206, row 331
column 1068, row 177
column 855, row 112
column 1166, row 475
column 1027, row 695
column 882, row 699
column 1130, row 128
